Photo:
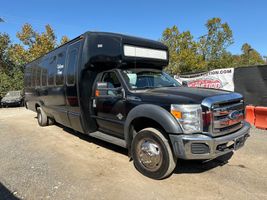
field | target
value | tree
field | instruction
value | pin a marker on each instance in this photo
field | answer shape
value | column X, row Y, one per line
column 213, row 45
column 250, row 56
column 64, row 40
column 4, row 45
column 183, row 51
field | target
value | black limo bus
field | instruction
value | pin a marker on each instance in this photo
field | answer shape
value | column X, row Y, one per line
column 113, row 87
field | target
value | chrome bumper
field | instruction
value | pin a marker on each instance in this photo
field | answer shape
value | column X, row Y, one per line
column 202, row 147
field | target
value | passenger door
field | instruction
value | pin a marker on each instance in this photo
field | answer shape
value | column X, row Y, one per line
column 73, row 108
column 110, row 109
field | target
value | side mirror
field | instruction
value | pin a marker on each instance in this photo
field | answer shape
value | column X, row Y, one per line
column 103, row 89
column 184, row 83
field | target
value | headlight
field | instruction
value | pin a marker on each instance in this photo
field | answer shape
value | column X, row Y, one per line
column 189, row 116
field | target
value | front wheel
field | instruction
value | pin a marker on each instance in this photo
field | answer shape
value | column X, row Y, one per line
column 152, row 154
column 41, row 117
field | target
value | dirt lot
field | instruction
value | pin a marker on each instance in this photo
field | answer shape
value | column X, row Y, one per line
column 56, row 163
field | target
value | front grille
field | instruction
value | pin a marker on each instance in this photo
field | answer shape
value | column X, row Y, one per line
column 227, row 117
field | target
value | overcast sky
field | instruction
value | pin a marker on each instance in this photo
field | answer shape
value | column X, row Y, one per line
column 145, row 18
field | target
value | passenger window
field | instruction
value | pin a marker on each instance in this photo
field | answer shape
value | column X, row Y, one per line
column 112, row 80
column 28, row 76
column 60, row 68
column 52, row 71
column 72, row 62
column 44, row 66
column 38, row 76
column 44, row 77
column 33, row 76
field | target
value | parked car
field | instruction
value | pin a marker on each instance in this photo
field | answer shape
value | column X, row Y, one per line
column 13, row 98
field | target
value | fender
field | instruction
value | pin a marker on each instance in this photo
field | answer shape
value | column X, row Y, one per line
column 154, row 112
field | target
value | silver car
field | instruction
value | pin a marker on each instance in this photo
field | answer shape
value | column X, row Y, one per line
column 13, row 98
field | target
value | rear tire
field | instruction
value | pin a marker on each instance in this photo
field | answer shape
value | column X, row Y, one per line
column 41, row 117
column 152, row 154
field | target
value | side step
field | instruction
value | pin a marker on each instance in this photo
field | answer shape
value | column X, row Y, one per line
column 108, row 138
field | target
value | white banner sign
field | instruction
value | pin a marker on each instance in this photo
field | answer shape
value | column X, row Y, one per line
column 218, row 79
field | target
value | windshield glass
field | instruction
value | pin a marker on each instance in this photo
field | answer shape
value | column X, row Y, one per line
column 148, row 78
column 13, row 93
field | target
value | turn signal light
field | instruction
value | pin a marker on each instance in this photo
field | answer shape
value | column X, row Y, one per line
column 176, row 114
column 97, row 93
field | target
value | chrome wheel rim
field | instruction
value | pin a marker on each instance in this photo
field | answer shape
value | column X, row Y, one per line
column 149, row 154
column 39, row 118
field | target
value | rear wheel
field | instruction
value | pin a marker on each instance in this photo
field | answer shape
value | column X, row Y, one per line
column 152, row 154
column 41, row 117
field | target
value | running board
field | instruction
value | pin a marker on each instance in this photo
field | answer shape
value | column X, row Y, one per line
column 108, row 138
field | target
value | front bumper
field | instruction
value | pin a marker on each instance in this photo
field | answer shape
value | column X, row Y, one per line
column 12, row 103
column 203, row 147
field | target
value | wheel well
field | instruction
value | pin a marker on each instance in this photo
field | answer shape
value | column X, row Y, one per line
column 36, row 106
column 144, row 122
column 140, row 123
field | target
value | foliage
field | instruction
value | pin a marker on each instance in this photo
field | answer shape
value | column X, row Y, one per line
column 64, row 40
column 213, row 45
column 4, row 44
column 10, row 81
column 250, row 56
column 183, row 51
column 208, row 52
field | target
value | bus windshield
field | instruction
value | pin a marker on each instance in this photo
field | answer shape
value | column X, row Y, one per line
column 139, row 78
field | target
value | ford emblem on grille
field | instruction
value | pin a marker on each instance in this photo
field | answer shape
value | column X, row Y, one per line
column 234, row 114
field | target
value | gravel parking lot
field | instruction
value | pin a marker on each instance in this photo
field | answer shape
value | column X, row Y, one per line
column 56, row 163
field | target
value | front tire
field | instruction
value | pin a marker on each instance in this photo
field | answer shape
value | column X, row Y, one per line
column 41, row 117
column 152, row 154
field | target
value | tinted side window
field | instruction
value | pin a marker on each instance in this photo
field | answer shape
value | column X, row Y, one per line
column 38, row 76
column 60, row 68
column 27, row 79
column 52, row 71
column 112, row 80
column 44, row 66
column 72, row 62
column 33, row 79
column 44, row 77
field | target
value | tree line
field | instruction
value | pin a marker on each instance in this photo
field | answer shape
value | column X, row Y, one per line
column 207, row 52
column 187, row 54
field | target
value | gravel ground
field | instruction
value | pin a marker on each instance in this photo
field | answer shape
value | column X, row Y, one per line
column 56, row 163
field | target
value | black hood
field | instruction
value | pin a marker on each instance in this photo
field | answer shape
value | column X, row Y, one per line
column 179, row 95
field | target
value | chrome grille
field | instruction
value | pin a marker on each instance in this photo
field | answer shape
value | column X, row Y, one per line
column 222, row 122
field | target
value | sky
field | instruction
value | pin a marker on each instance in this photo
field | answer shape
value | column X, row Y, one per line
column 144, row 18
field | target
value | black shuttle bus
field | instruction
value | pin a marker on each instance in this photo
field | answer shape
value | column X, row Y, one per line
column 112, row 87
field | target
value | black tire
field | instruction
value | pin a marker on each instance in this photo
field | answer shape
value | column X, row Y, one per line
column 152, row 154
column 41, row 117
